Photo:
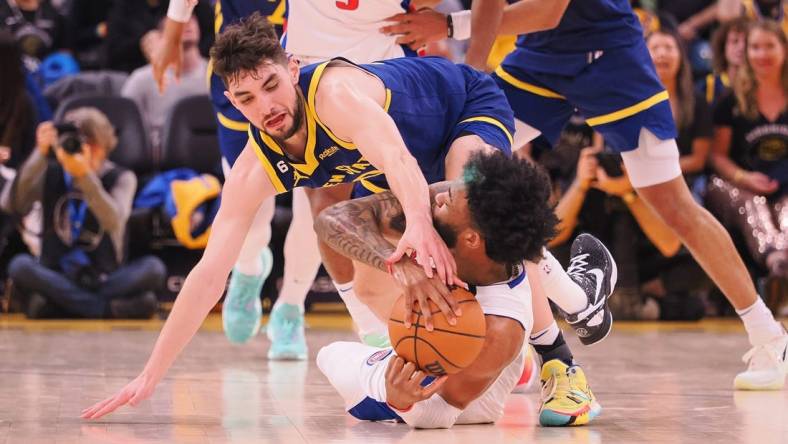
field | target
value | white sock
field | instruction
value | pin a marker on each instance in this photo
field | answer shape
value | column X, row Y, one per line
column 546, row 336
column 258, row 237
column 366, row 321
column 559, row 287
column 302, row 255
column 760, row 323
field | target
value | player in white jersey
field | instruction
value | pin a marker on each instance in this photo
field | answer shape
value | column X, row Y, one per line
column 493, row 219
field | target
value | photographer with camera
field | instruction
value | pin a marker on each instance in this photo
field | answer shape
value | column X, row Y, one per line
column 86, row 202
column 594, row 195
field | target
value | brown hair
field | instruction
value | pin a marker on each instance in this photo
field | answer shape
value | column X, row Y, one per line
column 746, row 84
column 244, row 46
column 685, row 89
column 94, row 126
column 720, row 39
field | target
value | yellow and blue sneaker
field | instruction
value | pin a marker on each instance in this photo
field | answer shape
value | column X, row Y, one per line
column 242, row 309
column 566, row 398
column 286, row 332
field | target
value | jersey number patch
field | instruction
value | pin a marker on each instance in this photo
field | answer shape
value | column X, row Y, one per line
column 282, row 166
column 348, row 5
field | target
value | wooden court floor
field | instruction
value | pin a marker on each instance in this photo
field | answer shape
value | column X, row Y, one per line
column 657, row 383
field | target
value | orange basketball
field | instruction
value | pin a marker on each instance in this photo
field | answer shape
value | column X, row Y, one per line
column 446, row 349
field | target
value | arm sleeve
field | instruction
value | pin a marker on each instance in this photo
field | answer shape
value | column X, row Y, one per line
column 433, row 413
column 28, row 185
column 111, row 209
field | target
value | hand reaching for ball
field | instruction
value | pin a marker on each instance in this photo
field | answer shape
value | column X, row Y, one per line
column 404, row 384
column 419, row 289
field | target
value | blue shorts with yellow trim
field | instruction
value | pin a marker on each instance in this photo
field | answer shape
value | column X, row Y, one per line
column 486, row 114
column 617, row 91
column 232, row 125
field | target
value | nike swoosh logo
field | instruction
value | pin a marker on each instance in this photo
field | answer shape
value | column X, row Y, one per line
column 784, row 352
column 600, row 276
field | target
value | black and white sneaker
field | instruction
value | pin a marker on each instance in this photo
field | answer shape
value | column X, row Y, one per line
column 592, row 267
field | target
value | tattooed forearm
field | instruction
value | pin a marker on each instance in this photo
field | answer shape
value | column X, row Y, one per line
column 356, row 228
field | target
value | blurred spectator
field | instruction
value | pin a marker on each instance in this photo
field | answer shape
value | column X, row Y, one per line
column 131, row 20
column 17, row 111
column 38, row 27
column 88, row 20
column 154, row 106
column 86, row 202
column 750, row 151
column 727, row 46
column 754, row 10
column 694, row 17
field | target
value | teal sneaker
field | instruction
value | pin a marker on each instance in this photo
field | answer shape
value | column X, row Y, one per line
column 242, row 309
column 286, row 332
column 376, row 340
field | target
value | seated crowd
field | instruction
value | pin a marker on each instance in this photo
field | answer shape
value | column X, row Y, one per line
column 65, row 206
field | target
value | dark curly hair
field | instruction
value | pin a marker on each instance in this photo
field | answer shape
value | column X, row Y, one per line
column 244, row 46
column 508, row 202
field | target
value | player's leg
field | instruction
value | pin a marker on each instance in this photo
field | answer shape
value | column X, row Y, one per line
column 630, row 107
column 567, row 398
column 711, row 245
column 301, row 263
column 358, row 372
column 242, row 310
column 541, row 111
column 371, row 329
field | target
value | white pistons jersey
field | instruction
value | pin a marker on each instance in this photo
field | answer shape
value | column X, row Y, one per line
column 510, row 299
column 322, row 29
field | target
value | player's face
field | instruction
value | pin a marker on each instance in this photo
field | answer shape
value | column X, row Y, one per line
column 450, row 213
column 734, row 48
column 269, row 99
column 666, row 55
column 191, row 32
column 765, row 53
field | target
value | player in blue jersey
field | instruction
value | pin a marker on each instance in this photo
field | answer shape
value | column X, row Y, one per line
column 590, row 55
column 333, row 124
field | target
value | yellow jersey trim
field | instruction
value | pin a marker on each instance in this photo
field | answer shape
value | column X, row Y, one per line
column 629, row 111
column 235, row 125
column 494, row 122
column 525, row 86
column 219, row 21
column 278, row 16
column 310, row 160
column 312, row 109
column 726, row 81
column 269, row 169
column 371, row 186
column 709, row 88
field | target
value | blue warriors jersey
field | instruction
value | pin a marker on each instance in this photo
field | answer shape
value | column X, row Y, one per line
column 713, row 87
column 587, row 25
column 231, row 11
column 428, row 99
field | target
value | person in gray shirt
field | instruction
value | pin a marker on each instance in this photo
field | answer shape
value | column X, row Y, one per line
column 86, row 202
column 142, row 88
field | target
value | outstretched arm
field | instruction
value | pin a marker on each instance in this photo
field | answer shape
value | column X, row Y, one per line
column 204, row 284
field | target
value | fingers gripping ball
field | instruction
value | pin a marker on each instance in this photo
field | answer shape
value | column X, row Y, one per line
column 448, row 348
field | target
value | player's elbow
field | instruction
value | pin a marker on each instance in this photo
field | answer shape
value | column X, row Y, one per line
column 325, row 221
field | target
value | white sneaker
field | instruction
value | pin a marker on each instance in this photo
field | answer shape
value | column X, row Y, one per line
column 766, row 366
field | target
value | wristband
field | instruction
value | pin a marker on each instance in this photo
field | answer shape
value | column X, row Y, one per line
column 180, row 10
column 398, row 410
column 449, row 26
column 461, row 25
column 738, row 175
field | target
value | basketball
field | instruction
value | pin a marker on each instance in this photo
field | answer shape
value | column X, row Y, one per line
column 446, row 349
